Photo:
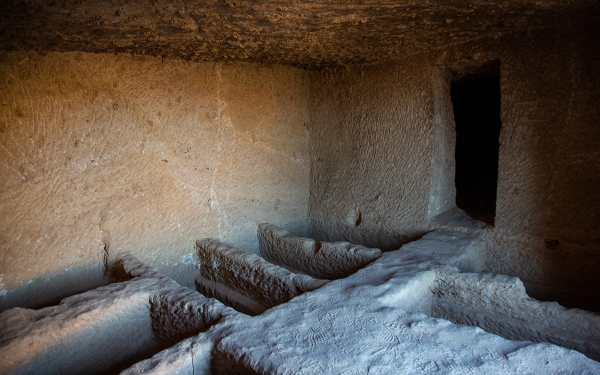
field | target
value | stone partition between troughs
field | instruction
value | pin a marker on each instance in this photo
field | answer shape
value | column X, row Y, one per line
column 67, row 338
column 446, row 281
column 323, row 260
column 105, row 329
column 176, row 311
column 499, row 304
column 245, row 281
column 384, row 319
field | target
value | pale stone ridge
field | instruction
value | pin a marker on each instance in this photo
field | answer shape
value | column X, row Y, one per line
column 250, row 275
column 500, row 305
column 50, row 340
column 180, row 314
column 122, row 321
column 382, row 307
column 446, row 282
column 323, row 260
column 382, row 319
column 177, row 312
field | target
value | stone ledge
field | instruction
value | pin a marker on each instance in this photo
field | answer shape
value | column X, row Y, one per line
column 323, row 260
column 375, row 321
column 249, row 275
column 124, row 321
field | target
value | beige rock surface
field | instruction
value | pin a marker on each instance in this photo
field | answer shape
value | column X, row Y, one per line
column 322, row 260
column 499, row 304
column 102, row 154
column 140, row 127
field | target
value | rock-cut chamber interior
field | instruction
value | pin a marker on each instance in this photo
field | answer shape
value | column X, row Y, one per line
column 254, row 188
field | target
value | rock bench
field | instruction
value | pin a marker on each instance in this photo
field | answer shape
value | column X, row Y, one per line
column 499, row 304
column 107, row 328
column 322, row 260
column 381, row 320
column 384, row 318
column 245, row 281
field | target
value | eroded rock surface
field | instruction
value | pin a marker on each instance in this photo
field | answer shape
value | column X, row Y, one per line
column 245, row 280
column 383, row 319
column 113, row 320
column 382, row 143
column 105, row 154
column 104, row 328
column 191, row 356
column 323, row 260
column 177, row 312
column 499, row 304
column 380, row 320
column 371, row 322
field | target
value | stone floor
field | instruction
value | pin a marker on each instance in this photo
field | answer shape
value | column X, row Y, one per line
column 394, row 316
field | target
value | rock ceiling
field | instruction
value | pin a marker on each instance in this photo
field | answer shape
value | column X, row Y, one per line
column 303, row 33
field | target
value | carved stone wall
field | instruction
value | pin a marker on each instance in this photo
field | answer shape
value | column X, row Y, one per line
column 379, row 133
column 102, row 154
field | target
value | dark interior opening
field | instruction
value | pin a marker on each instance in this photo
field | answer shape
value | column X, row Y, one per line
column 476, row 102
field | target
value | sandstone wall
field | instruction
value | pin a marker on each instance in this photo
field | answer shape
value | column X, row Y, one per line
column 379, row 135
column 103, row 154
column 371, row 154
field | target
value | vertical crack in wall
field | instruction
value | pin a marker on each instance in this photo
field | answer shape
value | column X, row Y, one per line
column 358, row 219
column 106, row 241
column 214, row 200
column 106, row 252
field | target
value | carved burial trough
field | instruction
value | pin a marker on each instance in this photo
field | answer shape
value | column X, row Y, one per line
column 384, row 317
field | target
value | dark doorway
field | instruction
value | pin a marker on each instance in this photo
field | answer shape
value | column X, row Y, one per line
column 476, row 102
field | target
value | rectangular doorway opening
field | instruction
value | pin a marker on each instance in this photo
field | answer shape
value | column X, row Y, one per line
column 476, row 102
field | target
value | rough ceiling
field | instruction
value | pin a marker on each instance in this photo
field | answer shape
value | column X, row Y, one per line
column 304, row 33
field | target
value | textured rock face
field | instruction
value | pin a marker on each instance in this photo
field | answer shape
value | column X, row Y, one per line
column 176, row 312
column 103, row 154
column 383, row 152
column 322, row 260
column 105, row 329
column 499, row 304
column 50, row 340
column 306, row 33
column 236, row 276
column 372, row 322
